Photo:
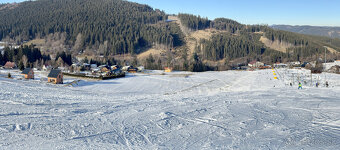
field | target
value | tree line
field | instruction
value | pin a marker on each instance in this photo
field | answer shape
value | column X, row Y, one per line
column 24, row 56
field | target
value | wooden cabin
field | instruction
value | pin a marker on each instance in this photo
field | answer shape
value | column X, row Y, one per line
column 55, row 76
column 167, row 69
column 28, row 73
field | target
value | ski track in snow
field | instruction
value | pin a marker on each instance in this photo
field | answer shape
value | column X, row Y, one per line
column 210, row 110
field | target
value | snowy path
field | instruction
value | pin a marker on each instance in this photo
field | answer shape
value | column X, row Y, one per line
column 212, row 110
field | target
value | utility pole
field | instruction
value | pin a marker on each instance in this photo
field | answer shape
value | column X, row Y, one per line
column 325, row 54
column 311, row 78
column 325, row 63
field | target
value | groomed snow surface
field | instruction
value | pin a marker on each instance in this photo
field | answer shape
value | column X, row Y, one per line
column 179, row 110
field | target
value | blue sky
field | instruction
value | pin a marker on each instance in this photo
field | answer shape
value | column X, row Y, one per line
column 10, row 1
column 292, row 12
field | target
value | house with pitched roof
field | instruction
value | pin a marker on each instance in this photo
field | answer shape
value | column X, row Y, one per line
column 28, row 73
column 168, row 69
column 10, row 65
column 255, row 64
column 55, row 76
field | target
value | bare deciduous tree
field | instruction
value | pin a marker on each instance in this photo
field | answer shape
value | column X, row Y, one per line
column 60, row 62
column 24, row 60
column 78, row 45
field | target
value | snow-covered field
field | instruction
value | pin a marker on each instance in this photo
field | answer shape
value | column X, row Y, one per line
column 179, row 110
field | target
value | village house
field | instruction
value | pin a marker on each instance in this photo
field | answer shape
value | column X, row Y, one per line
column 10, row 65
column 295, row 64
column 334, row 69
column 94, row 66
column 46, row 67
column 104, row 68
column 55, row 76
column 125, row 68
column 265, row 67
column 280, row 65
column 140, row 68
column 2, row 51
column 167, row 69
column 255, row 64
column 114, row 67
column 75, row 67
column 117, row 72
column 132, row 70
column 329, row 65
column 337, row 62
column 28, row 73
column 86, row 66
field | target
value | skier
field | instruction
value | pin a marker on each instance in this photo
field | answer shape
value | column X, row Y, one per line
column 317, row 84
column 290, row 84
column 300, row 85
column 327, row 84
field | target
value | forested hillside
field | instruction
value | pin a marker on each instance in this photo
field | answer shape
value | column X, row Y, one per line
column 238, row 40
column 119, row 26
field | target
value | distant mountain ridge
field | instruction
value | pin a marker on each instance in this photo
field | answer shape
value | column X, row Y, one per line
column 333, row 32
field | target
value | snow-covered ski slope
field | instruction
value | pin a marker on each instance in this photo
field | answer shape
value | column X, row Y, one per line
column 180, row 110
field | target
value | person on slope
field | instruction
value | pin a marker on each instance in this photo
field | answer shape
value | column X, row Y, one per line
column 300, row 85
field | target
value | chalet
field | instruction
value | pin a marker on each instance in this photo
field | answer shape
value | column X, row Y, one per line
column 75, row 67
column 114, row 67
column 46, row 67
column 55, row 76
column 104, row 68
column 86, row 66
column 28, row 73
column 117, row 72
column 167, row 69
column 295, row 64
column 94, row 66
column 10, row 65
column 95, row 70
column 255, row 64
column 280, row 65
column 132, row 70
column 265, row 67
column 329, row 65
column 243, row 68
column 126, row 68
column 304, row 64
column 334, row 69
column 337, row 62
column 141, row 68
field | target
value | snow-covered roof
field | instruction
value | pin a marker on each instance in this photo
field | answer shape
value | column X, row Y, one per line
column 253, row 62
column 26, row 71
column 54, row 73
